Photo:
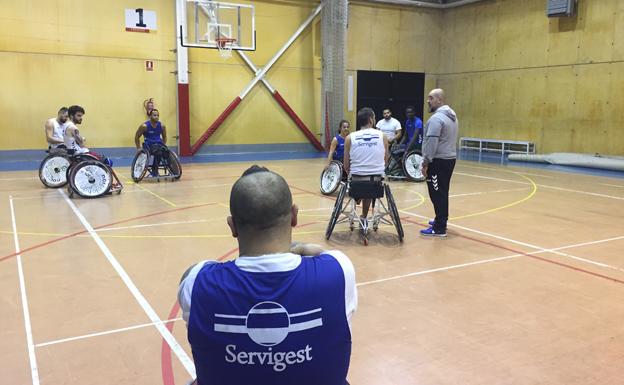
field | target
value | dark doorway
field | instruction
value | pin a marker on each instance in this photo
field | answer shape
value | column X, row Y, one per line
column 394, row 90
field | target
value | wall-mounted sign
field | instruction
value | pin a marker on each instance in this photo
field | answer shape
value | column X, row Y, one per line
column 149, row 65
column 140, row 20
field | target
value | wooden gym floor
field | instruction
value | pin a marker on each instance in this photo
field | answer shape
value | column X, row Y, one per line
column 527, row 289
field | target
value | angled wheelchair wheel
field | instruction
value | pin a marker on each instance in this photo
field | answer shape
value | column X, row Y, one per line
column 90, row 179
column 139, row 166
column 394, row 213
column 53, row 170
column 337, row 210
column 413, row 166
column 331, row 177
column 173, row 163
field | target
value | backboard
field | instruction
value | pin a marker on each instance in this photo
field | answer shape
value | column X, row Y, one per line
column 208, row 22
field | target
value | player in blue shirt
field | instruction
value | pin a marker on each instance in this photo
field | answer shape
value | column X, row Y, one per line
column 413, row 137
column 155, row 134
column 336, row 149
column 274, row 315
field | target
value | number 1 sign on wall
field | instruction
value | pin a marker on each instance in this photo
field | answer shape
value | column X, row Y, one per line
column 140, row 20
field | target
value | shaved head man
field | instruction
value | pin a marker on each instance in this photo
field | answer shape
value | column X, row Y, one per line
column 439, row 152
column 263, row 214
column 274, row 315
column 435, row 99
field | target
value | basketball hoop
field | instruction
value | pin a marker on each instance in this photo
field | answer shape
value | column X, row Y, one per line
column 225, row 45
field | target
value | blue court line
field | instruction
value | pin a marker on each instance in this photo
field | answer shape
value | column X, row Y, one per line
column 24, row 160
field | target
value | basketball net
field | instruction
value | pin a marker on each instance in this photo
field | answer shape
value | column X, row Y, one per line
column 225, row 45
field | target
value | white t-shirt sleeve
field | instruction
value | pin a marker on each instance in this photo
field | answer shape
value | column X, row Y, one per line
column 398, row 126
column 351, row 300
column 185, row 290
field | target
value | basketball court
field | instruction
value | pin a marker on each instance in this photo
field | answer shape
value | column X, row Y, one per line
column 529, row 282
column 527, row 288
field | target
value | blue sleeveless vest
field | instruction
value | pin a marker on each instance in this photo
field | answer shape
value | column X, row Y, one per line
column 153, row 134
column 339, row 154
column 270, row 328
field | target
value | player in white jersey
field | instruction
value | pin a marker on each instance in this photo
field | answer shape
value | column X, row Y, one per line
column 366, row 152
column 55, row 129
column 390, row 126
column 72, row 138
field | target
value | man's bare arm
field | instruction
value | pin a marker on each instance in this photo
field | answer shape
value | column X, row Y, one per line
column 164, row 134
column 139, row 133
column 386, row 153
column 347, row 155
column 49, row 130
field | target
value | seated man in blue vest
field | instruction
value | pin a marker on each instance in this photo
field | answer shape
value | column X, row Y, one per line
column 155, row 134
column 271, row 316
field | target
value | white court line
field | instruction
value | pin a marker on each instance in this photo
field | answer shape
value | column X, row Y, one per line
column 541, row 185
column 486, row 192
column 51, row 194
column 512, row 170
column 487, row 261
column 34, row 372
column 147, row 308
column 612, row 185
column 103, row 333
column 23, row 178
column 470, row 194
column 532, row 174
column 423, row 272
column 317, row 209
column 554, row 251
column 153, row 225
column 492, row 178
column 438, row 269
column 583, row 192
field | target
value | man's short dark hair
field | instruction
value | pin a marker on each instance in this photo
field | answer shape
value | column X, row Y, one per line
column 74, row 109
column 62, row 110
column 152, row 110
column 387, row 109
column 363, row 117
column 260, row 199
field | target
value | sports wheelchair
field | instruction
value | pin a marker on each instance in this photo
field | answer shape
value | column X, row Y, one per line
column 411, row 169
column 374, row 189
column 331, row 177
column 53, row 168
column 91, row 176
column 169, row 163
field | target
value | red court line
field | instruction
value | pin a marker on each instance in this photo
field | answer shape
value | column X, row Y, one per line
column 167, row 368
column 40, row 245
column 313, row 192
column 165, row 350
column 528, row 255
column 307, row 224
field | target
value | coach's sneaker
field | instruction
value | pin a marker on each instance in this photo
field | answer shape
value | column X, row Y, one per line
column 430, row 232
column 432, row 222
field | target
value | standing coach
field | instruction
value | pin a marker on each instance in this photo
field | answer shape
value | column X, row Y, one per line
column 439, row 155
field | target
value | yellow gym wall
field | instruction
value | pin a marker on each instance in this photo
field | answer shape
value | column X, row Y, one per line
column 392, row 38
column 512, row 73
column 509, row 71
column 56, row 53
column 61, row 52
column 215, row 82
